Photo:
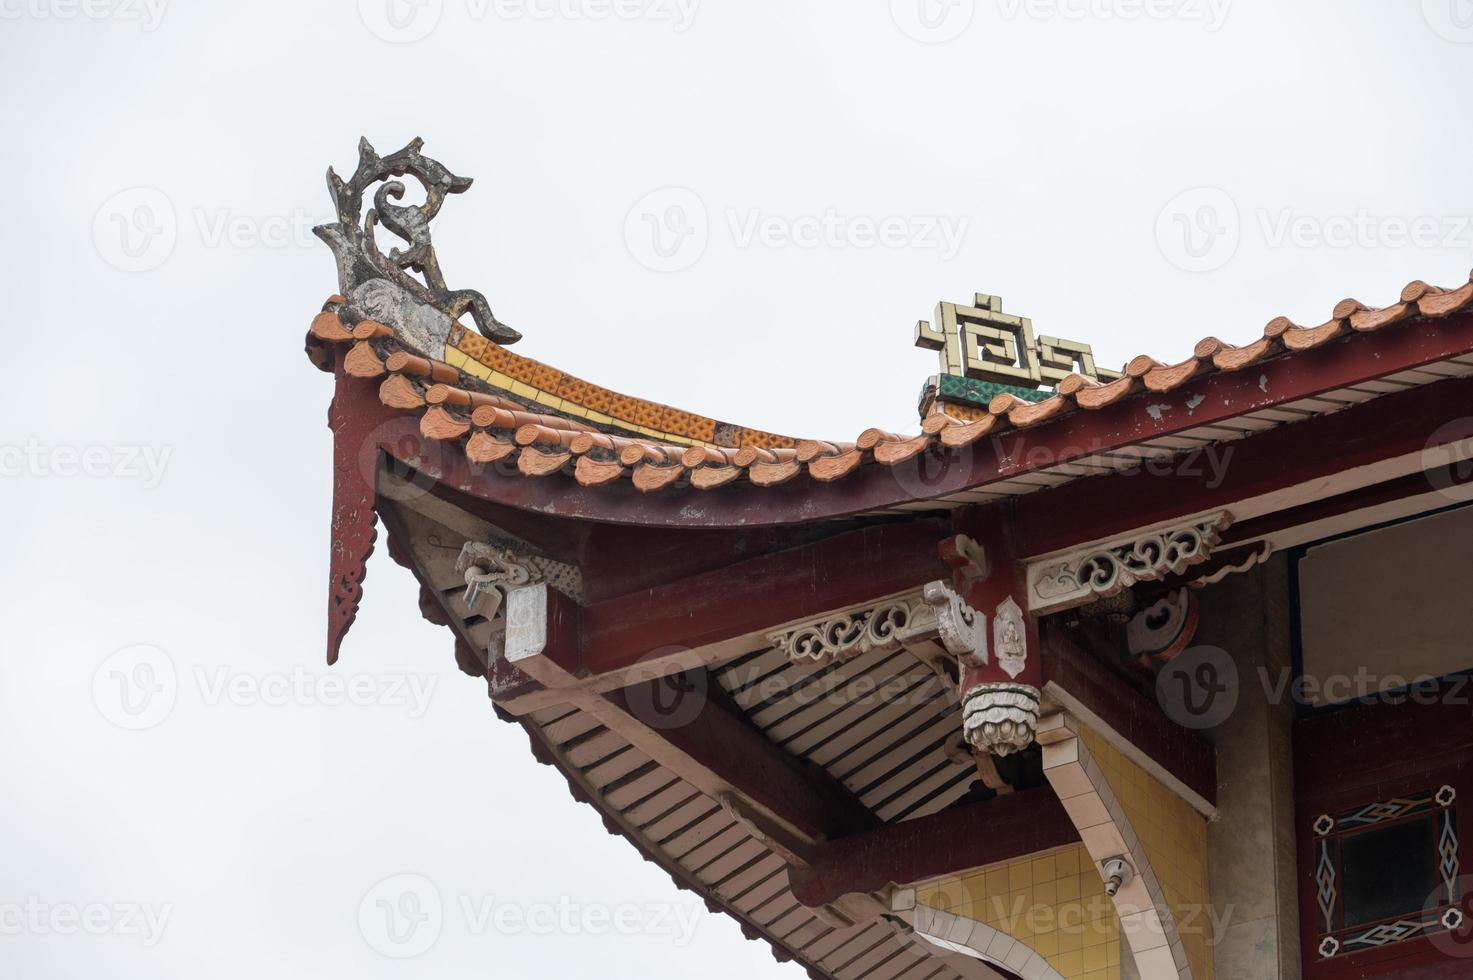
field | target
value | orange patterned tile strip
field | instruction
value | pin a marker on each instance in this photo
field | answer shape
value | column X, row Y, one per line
column 564, row 393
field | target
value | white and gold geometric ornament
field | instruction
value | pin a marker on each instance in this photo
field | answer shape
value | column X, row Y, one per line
column 984, row 343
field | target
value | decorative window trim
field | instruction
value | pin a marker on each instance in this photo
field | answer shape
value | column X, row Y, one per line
column 1334, row 940
column 1104, row 570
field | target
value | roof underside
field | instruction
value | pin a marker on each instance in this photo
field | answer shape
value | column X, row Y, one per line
column 705, row 848
column 879, row 723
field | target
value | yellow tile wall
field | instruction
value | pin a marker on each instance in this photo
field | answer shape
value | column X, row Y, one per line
column 1175, row 840
column 1053, row 901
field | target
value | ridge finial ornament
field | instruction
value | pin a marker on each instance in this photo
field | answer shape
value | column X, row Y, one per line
column 379, row 286
column 983, row 342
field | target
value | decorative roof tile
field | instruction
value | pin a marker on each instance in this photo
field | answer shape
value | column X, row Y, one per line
column 655, row 447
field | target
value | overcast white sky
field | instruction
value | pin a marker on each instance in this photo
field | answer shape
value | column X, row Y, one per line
column 1132, row 173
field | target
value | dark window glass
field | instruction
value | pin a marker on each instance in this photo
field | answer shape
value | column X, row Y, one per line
column 1388, row 872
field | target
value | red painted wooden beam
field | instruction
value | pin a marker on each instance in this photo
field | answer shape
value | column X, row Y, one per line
column 1388, row 427
column 964, row 837
column 687, row 711
column 763, row 592
column 1212, row 398
column 1345, row 753
column 1442, row 478
column 1136, row 717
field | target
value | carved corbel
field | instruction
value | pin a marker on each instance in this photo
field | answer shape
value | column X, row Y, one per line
column 491, row 569
column 962, row 629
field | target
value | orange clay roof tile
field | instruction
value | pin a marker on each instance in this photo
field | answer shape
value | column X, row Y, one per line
column 363, row 361
column 499, row 427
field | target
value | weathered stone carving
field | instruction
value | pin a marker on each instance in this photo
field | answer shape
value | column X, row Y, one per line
column 1105, row 570
column 491, row 569
column 378, row 286
column 962, row 629
column 1010, row 637
column 1000, row 718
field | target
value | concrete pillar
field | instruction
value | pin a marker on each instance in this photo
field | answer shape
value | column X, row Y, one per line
column 1251, row 845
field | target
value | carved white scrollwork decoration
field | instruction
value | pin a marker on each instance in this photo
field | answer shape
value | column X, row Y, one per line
column 859, row 631
column 1000, row 718
column 1105, row 570
column 962, row 629
column 933, row 611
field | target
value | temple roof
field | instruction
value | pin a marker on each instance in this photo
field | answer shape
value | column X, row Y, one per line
column 441, row 363
column 501, row 406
